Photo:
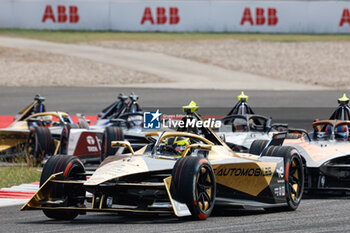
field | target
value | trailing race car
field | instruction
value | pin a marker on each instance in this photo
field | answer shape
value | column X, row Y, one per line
column 34, row 131
column 121, row 120
column 178, row 173
column 325, row 151
column 118, row 109
column 242, row 126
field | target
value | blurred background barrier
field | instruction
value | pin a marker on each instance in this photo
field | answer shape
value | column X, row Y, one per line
column 178, row 16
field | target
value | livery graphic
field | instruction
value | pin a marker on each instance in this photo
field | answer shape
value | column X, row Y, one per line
column 251, row 178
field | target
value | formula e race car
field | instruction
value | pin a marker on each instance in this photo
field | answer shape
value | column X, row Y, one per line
column 121, row 120
column 242, row 126
column 34, row 131
column 178, row 173
column 115, row 111
column 325, row 152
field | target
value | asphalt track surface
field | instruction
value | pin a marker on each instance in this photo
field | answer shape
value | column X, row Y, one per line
column 298, row 108
column 315, row 214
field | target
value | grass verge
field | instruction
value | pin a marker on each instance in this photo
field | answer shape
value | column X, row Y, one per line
column 87, row 36
column 13, row 175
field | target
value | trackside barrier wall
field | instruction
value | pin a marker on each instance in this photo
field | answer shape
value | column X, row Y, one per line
column 178, row 16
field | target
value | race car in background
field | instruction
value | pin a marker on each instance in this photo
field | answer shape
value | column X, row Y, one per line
column 34, row 131
column 242, row 126
column 164, row 177
column 325, row 152
column 117, row 109
column 122, row 120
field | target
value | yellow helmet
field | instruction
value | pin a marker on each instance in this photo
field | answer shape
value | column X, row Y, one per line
column 179, row 144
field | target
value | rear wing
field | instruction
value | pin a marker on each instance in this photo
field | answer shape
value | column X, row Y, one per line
column 35, row 107
column 276, row 140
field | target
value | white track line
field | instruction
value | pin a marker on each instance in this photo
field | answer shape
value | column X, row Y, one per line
column 23, row 188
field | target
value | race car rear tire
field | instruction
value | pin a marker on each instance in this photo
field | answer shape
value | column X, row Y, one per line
column 293, row 174
column 39, row 144
column 193, row 182
column 257, row 146
column 64, row 139
column 72, row 169
column 111, row 134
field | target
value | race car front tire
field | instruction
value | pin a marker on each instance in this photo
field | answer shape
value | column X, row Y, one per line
column 64, row 139
column 193, row 181
column 110, row 134
column 39, row 144
column 72, row 169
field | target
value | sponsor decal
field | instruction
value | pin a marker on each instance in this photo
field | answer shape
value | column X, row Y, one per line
column 266, row 171
column 87, row 144
column 280, row 172
column 280, row 191
column 92, row 148
column 163, row 16
column 109, row 201
column 345, row 18
column 270, row 19
column 251, row 178
column 90, row 140
column 63, row 15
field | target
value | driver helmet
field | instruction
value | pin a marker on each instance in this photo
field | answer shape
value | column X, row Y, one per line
column 47, row 118
column 179, row 144
column 240, row 124
column 342, row 132
column 325, row 133
column 328, row 130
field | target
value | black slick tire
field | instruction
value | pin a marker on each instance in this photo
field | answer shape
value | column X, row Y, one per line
column 257, row 146
column 39, row 144
column 72, row 169
column 110, row 134
column 193, row 181
column 293, row 174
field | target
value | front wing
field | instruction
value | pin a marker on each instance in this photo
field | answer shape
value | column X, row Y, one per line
column 96, row 198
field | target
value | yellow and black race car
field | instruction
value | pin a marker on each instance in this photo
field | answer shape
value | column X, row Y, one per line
column 179, row 173
column 34, row 130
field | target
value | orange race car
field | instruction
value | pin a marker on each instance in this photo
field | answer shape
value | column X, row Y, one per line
column 325, row 151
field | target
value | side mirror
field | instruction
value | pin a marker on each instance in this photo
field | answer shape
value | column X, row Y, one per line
column 116, row 144
column 223, row 137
